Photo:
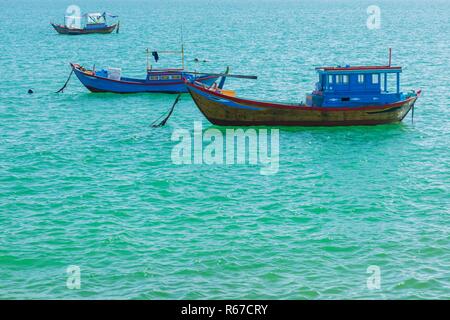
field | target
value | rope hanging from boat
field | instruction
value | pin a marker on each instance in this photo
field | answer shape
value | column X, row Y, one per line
column 65, row 84
column 163, row 122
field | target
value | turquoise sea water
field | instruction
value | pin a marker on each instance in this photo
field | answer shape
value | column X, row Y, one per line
column 85, row 180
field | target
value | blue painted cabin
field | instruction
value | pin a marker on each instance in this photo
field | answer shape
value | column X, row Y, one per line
column 356, row 86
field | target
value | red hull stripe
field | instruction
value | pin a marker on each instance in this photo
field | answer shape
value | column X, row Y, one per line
column 299, row 107
column 92, row 89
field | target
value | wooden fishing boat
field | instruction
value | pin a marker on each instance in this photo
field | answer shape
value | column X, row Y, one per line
column 86, row 30
column 157, row 80
column 95, row 23
column 343, row 96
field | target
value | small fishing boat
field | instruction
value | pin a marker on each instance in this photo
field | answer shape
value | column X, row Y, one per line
column 95, row 23
column 157, row 80
column 343, row 96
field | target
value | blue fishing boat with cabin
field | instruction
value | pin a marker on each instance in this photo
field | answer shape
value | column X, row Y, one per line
column 156, row 80
column 94, row 23
column 358, row 95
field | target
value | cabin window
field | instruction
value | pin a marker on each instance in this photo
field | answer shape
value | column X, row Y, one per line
column 164, row 77
column 330, row 79
column 391, row 82
column 345, row 79
column 338, row 79
column 176, row 77
column 154, row 78
column 360, row 78
column 375, row 78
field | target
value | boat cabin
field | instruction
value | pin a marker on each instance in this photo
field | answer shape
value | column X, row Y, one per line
column 355, row 86
column 165, row 75
column 95, row 20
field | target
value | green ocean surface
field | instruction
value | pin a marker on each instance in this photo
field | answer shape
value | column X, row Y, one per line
column 86, row 181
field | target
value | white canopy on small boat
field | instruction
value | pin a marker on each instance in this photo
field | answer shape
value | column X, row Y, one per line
column 95, row 17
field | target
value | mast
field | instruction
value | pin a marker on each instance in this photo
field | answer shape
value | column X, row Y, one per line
column 390, row 56
column 182, row 48
column 172, row 52
column 182, row 56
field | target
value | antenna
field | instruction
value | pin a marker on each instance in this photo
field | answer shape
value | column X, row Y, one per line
column 181, row 33
column 182, row 48
column 390, row 56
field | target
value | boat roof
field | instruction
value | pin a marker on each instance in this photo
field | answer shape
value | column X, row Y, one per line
column 94, row 14
column 165, row 70
column 371, row 69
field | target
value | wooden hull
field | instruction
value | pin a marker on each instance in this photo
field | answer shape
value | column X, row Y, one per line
column 71, row 31
column 230, row 111
column 95, row 83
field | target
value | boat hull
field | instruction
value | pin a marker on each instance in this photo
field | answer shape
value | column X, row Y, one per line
column 72, row 31
column 230, row 111
column 95, row 83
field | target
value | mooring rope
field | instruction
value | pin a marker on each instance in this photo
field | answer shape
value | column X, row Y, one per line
column 65, row 84
column 163, row 122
